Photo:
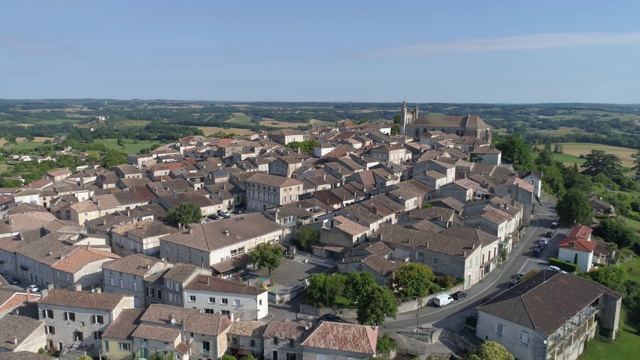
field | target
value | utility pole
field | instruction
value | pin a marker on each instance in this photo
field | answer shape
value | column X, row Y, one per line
column 418, row 314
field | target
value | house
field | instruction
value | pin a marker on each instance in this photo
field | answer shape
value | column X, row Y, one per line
column 189, row 332
column 127, row 275
column 283, row 340
column 488, row 155
column 285, row 136
column 246, row 338
column 139, row 237
column 577, row 248
column 341, row 231
column 520, row 191
column 390, row 153
column 57, row 175
column 75, row 320
column 550, row 315
column 213, row 242
column 214, row 295
column 265, row 191
column 601, row 207
column 284, row 166
column 128, row 171
column 372, row 258
column 340, row 341
column 20, row 333
column 117, row 342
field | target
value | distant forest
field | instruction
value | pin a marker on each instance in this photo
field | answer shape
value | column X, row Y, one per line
column 600, row 123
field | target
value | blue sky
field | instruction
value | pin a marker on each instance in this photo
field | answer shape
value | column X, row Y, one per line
column 379, row 51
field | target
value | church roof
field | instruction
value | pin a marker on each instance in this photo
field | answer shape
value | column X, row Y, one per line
column 469, row 121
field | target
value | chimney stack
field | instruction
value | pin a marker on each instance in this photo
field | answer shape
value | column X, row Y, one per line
column 15, row 341
column 78, row 287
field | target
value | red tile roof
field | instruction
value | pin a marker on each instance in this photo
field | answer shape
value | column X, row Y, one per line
column 580, row 232
column 578, row 244
column 343, row 337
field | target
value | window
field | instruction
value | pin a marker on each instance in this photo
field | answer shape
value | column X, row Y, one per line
column 225, row 301
column 124, row 346
column 192, row 298
column 275, row 341
column 236, row 302
column 78, row 336
column 291, row 342
column 225, row 312
column 69, row 316
column 235, row 341
column 121, row 283
column 524, row 337
column 435, row 260
column 135, row 286
column 50, row 330
column 97, row 335
column 499, row 329
column 212, row 300
column 170, row 284
column 206, row 346
column 159, row 294
column 252, row 343
column 97, row 319
column 47, row 314
column 105, row 346
column 150, row 292
column 209, row 311
column 260, row 302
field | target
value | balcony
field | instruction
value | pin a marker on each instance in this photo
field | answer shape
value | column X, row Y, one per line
column 573, row 330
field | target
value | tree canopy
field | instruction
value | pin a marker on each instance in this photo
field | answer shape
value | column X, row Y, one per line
column 267, row 255
column 113, row 158
column 490, row 350
column 375, row 305
column 186, row 213
column 358, row 283
column 613, row 231
column 599, row 162
column 516, row 151
column 323, row 289
column 574, row 208
column 412, row 280
column 308, row 236
column 614, row 277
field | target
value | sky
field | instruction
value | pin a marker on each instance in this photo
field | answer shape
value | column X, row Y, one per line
column 362, row 51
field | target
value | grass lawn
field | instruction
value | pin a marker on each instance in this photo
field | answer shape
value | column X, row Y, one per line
column 633, row 266
column 322, row 123
column 129, row 146
column 57, row 121
column 568, row 159
column 623, row 153
column 135, row 122
column 625, row 346
column 239, row 118
column 23, row 144
column 634, row 224
column 281, row 124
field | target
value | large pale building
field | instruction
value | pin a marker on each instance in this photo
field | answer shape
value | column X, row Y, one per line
column 412, row 124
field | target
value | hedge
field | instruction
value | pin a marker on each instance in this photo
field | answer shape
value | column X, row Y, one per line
column 563, row 265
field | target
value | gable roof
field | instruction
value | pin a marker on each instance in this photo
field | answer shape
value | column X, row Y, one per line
column 546, row 301
column 344, row 337
column 82, row 299
column 582, row 245
column 580, row 232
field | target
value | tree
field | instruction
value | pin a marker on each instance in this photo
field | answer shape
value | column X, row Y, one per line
column 267, row 255
column 614, row 231
column 552, row 181
column 375, row 305
column 228, row 357
column 113, row 158
column 185, row 214
column 358, row 283
column 395, row 129
column 412, row 280
column 323, row 289
column 308, row 236
column 574, row 208
column 614, row 277
column 636, row 163
column 545, row 158
column 516, row 151
column 386, row 344
column 598, row 162
column 490, row 350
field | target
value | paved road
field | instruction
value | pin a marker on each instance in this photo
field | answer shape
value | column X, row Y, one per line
column 453, row 316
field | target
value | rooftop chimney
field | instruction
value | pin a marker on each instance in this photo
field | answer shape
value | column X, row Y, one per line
column 15, row 341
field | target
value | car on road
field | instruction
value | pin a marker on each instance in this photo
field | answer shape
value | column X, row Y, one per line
column 459, row 295
column 543, row 242
column 224, row 213
column 515, row 279
column 549, row 234
column 331, row 317
column 536, row 252
column 213, row 217
column 554, row 225
column 33, row 288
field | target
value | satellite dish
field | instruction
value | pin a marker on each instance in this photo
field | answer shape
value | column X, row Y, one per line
column 173, row 321
column 545, row 342
column 306, row 327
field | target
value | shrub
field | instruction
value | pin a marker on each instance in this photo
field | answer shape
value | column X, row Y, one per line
column 445, row 281
column 563, row 265
column 386, row 344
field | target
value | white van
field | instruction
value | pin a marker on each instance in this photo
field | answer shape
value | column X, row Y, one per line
column 442, row 300
column 554, row 268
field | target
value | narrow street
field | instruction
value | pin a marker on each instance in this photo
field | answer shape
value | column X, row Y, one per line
column 453, row 316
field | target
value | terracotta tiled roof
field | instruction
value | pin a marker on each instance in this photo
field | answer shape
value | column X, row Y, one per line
column 580, row 232
column 159, row 333
column 578, row 244
column 135, row 264
column 284, row 330
column 82, row 299
column 273, row 180
column 215, row 284
column 80, row 258
column 345, row 337
column 124, row 325
column 248, row 328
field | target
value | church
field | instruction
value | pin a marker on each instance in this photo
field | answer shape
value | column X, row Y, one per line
column 471, row 125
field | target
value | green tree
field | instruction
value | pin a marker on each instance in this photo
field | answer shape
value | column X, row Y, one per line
column 248, row 357
column 185, row 214
column 395, row 129
column 599, row 162
column 308, row 236
column 614, row 231
column 323, row 289
column 412, row 280
column 614, row 277
column 375, row 305
column 267, row 255
column 545, row 158
column 228, row 357
column 358, row 283
column 120, row 142
column 490, row 350
column 516, row 151
column 113, row 158
column 386, row 344
column 574, row 208
column 552, row 181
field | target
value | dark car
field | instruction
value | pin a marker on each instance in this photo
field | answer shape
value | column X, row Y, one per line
column 213, row 217
column 11, row 280
column 549, row 234
column 459, row 295
column 238, row 211
column 536, row 252
column 330, row 317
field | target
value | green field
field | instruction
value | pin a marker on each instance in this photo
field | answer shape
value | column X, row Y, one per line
column 568, row 159
column 633, row 266
column 129, row 146
column 239, row 118
column 623, row 347
column 56, row 121
column 577, row 149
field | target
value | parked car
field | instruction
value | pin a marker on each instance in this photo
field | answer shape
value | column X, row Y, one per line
column 543, row 242
column 331, row 317
column 213, row 217
column 442, row 300
column 536, row 252
column 224, row 213
column 554, row 268
column 238, row 211
column 515, row 279
column 459, row 295
column 33, row 288
column 554, row 225
column 11, row 280
column 549, row 234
